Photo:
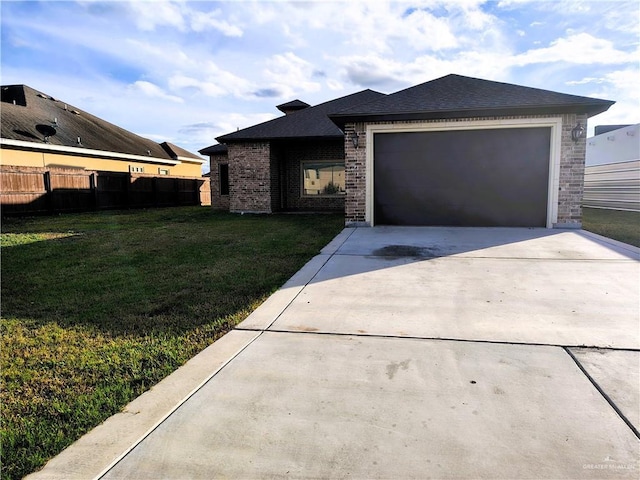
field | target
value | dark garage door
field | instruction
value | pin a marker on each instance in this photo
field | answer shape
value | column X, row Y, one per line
column 494, row 177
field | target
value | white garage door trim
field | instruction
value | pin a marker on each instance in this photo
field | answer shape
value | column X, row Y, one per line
column 555, row 123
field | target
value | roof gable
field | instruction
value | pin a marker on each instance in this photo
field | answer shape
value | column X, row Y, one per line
column 217, row 149
column 310, row 122
column 292, row 106
column 454, row 96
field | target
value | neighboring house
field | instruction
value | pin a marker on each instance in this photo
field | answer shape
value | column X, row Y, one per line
column 612, row 173
column 453, row 151
column 40, row 131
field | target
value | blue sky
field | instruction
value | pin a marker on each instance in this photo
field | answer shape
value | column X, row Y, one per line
column 186, row 72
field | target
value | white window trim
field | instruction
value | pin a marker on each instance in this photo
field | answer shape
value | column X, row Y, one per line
column 555, row 123
column 315, row 162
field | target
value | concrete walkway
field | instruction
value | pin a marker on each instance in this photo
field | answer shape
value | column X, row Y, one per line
column 406, row 353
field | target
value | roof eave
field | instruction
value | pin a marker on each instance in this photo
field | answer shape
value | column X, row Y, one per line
column 590, row 109
column 269, row 139
column 190, row 159
column 81, row 152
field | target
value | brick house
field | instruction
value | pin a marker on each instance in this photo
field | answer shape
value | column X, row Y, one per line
column 454, row 151
column 285, row 164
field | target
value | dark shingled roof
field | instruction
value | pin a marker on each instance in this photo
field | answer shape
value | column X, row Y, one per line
column 23, row 108
column 311, row 122
column 177, row 152
column 292, row 106
column 216, row 149
column 456, row 96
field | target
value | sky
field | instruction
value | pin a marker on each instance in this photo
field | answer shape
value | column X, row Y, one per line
column 188, row 71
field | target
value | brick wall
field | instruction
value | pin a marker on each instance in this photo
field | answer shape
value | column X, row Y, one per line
column 571, row 185
column 218, row 201
column 355, row 173
column 570, row 188
column 275, row 180
column 249, row 177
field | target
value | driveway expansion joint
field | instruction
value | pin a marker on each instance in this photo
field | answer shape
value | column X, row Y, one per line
column 603, row 393
column 444, row 339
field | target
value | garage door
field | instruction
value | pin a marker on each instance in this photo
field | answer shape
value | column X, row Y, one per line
column 489, row 177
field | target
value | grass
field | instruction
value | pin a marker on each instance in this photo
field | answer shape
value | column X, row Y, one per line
column 97, row 308
column 619, row 225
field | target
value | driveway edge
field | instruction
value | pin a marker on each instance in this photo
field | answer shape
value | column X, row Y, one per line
column 99, row 449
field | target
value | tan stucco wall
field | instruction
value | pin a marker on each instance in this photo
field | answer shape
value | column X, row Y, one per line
column 21, row 158
column 25, row 158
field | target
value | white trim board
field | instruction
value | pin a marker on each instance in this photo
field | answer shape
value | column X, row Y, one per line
column 83, row 152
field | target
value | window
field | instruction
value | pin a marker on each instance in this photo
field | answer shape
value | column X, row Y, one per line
column 163, row 171
column 323, row 178
column 223, row 170
column 134, row 169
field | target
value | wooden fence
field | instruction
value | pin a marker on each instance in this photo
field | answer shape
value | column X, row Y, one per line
column 34, row 190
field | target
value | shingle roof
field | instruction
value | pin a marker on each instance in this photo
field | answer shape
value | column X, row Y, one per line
column 311, row 122
column 23, row 108
column 216, row 149
column 454, row 96
column 179, row 153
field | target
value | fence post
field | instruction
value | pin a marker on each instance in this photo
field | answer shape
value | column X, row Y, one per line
column 154, row 189
column 127, row 186
column 93, row 186
column 49, row 192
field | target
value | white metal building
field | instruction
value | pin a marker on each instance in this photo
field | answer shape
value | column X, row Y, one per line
column 612, row 173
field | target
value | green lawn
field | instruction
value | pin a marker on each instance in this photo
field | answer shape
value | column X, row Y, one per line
column 616, row 224
column 97, row 308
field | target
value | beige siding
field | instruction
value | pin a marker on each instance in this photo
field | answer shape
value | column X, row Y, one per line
column 25, row 158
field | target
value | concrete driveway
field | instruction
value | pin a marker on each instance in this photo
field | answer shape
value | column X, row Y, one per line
column 406, row 353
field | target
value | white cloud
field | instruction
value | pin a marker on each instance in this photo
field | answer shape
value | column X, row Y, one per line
column 585, row 81
column 580, row 48
column 423, row 31
column 622, row 87
column 206, row 132
column 626, row 80
column 182, row 82
column 334, row 85
column 389, row 74
column 151, row 90
column 220, row 83
column 202, row 20
column 149, row 15
column 287, row 74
